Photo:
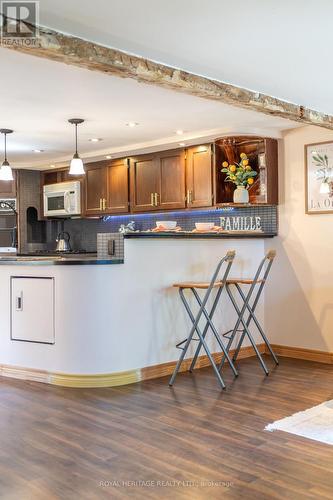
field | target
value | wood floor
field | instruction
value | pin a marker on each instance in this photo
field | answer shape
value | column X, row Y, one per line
column 138, row 441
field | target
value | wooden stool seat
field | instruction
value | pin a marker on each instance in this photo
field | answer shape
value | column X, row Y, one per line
column 195, row 284
column 242, row 281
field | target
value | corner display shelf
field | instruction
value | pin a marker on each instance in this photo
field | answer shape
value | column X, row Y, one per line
column 262, row 153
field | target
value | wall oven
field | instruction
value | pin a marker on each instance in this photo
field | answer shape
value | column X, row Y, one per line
column 8, row 225
column 62, row 199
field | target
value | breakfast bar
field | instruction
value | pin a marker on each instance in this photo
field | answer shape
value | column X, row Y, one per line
column 117, row 324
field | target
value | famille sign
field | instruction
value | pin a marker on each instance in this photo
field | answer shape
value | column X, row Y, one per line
column 241, row 223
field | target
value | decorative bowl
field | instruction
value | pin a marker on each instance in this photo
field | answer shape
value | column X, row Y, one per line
column 204, row 226
column 168, row 224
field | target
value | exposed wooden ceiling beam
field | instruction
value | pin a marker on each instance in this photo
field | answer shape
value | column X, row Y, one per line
column 78, row 52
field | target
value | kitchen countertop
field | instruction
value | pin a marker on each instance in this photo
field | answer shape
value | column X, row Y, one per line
column 57, row 260
column 190, row 235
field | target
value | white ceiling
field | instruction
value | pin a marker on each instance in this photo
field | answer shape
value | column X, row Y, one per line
column 40, row 96
column 282, row 48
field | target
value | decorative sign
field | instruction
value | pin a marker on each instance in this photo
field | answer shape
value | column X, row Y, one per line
column 248, row 223
column 319, row 178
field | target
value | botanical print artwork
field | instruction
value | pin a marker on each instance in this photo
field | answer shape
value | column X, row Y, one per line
column 319, row 178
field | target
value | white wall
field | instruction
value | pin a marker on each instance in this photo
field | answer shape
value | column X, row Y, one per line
column 299, row 296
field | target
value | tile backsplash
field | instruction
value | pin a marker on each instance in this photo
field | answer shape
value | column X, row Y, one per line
column 84, row 231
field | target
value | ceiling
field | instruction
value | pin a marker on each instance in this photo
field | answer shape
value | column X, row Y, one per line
column 41, row 95
column 280, row 48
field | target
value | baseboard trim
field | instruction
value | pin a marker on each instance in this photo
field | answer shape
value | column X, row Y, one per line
column 151, row 372
column 302, row 353
column 113, row 379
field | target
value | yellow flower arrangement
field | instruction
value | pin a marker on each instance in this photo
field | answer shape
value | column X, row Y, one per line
column 240, row 173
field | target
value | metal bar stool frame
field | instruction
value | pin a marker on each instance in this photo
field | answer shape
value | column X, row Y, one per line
column 267, row 261
column 214, row 283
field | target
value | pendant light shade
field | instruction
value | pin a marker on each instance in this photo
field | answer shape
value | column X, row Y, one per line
column 6, row 173
column 76, row 166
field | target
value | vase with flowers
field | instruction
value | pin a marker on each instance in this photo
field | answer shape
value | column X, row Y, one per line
column 242, row 175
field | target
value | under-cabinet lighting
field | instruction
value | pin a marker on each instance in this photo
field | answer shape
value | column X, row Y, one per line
column 132, row 124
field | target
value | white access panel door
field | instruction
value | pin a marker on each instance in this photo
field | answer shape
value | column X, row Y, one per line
column 32, row 309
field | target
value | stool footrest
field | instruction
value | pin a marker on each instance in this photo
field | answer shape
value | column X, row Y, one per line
column 227, row 335
column 183, row 342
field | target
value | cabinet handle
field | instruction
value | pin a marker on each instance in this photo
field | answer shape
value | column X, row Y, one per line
column 100, row 204
column 189, row 196
column 19, row 302
column 152, row 198
column 156, row 199
column 104, row 204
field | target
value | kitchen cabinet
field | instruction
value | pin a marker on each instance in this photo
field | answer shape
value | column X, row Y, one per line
column 95, row 188
column 171, row 193
column 117, row 196
column 8, row 188
column 144, row 183
column 32, row 309
column 106, row 187
column 199, row 176
column 158, row 181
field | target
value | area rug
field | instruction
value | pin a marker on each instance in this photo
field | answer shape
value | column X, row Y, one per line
column 315, row 423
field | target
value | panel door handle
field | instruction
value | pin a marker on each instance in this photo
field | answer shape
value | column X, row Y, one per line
column 19, row 302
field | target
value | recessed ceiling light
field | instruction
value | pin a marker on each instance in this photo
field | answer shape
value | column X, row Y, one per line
column 179, row 132
column 108, row 157
column 132, row 124
column 182, row 144
column 95, row 139
column 38, row 150
column 52, row 166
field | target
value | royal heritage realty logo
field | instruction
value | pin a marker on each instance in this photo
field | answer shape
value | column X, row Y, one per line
column 19, row 24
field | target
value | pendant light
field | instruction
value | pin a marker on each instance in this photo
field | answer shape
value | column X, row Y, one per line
column 76, row 166
column 6, row 173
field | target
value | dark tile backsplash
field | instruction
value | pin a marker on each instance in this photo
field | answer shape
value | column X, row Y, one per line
column 84, row 231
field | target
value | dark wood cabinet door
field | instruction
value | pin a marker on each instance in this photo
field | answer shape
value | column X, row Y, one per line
column 199, row 183
column 117, row 200
column 8, row 188
column 171, row 193
column 145, row 182
column 95, row 188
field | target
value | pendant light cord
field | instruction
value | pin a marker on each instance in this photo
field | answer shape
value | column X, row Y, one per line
column 5, row 146
column 76, row 138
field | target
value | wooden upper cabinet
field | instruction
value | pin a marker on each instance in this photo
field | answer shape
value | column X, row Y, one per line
column 199, row 184
column 95, row 188
column 145, row 183
column 171, row 193
column 8, row 188
column 158, row 181
column 117, row 200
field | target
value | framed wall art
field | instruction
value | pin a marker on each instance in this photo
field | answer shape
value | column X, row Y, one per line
column 319, row 178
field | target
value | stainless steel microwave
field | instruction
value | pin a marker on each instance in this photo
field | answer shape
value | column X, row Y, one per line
column 62, row 199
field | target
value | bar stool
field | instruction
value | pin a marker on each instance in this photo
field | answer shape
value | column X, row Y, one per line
column 215, row 283
column 260, row 279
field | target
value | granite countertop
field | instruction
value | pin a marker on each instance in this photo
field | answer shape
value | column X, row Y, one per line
column 57, row 260
column 191, row 235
